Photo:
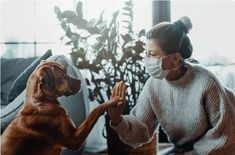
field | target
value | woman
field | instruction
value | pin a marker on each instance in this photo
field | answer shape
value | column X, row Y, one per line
column 196, row 111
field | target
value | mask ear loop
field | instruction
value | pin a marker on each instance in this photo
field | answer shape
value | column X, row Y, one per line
column 175, row 68
column 181, row 64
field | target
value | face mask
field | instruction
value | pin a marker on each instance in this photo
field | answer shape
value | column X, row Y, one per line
column 154, row 67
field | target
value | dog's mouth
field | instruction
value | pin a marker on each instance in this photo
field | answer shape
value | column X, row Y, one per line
column 74, row 87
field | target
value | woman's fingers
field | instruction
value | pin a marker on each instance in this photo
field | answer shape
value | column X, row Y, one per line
column 120, row 89
column 114, row 91
column 123, row 95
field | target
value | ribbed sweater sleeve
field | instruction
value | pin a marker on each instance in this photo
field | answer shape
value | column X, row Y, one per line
column 139, row 126
column 219, row 104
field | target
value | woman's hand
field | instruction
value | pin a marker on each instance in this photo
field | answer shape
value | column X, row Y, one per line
column 113, row 102
column 115, row 113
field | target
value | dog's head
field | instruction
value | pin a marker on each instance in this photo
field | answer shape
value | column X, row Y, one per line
column 52, row 80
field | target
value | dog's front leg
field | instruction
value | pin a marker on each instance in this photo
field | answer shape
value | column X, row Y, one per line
column 80, row 134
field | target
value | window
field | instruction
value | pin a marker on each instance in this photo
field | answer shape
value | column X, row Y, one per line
column 213, row 32
column 30, row 27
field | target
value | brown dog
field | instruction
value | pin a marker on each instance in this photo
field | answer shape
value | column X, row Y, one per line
column 43, row 127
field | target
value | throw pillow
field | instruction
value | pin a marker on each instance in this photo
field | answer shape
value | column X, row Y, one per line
column 20, row 83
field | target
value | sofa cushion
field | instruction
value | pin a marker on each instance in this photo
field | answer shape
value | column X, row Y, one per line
column 10, row 70
column 20, row 83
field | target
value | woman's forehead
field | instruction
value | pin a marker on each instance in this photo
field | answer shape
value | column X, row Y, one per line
column 152, row 45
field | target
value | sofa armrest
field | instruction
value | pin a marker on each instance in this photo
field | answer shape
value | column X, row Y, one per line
column 9, row 112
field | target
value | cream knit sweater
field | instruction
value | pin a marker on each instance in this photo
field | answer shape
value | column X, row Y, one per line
column 197, row 104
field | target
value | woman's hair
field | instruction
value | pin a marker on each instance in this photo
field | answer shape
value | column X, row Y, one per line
column 172, row 37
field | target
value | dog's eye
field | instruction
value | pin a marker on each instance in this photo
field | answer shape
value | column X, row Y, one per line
column 63, row 76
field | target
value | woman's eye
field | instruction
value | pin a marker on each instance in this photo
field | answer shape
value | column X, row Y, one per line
column 152, row 54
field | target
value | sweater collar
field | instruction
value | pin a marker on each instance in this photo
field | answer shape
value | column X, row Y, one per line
column 188, row 75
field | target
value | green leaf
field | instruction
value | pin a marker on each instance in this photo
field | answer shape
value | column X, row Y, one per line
column 61, row 38
column 127, row 38
column 105, row 34
column 94, row 68
column 100, row 20
column 99, row 46
column 129, row 28
column 92, row 23
column 57, row 11
column 93, row 30
column 139, row 47
column 68, row 32
column 127, row 8
column 114, row 19
column 64, row 25
column 113, row 33
column 88, row 82
column 68, row 14
column 81, row 53
column 115, row 14
column 98, row 59
column 126, row 21
column 79, row 9
column 127, row 54
column 69, row 43
column 129, row 3
column 128, row 14
column 102, row 25
column 75, row 36
column 80, row 23
column 141, row 33
column 74, row 57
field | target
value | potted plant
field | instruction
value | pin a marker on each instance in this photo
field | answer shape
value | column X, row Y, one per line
column 107, row 56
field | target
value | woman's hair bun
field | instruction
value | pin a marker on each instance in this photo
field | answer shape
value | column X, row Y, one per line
column 184, row 23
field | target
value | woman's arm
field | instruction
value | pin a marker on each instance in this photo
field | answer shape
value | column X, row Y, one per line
column 220, row 108
column 139, row 126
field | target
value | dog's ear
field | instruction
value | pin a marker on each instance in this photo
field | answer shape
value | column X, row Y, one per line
column 37, row 89
column 46, row 79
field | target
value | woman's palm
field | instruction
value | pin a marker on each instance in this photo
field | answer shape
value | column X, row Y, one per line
column 119, row 90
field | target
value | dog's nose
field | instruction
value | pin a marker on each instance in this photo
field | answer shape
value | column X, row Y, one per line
column 79, row 82
column 75, row 85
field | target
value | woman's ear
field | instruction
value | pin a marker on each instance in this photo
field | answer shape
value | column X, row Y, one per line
column 177, row 58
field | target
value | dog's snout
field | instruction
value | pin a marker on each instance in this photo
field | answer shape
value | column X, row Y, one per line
column 75, row 85
column 78, row 83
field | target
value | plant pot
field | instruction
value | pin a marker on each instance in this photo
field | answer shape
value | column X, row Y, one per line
column 117, row 147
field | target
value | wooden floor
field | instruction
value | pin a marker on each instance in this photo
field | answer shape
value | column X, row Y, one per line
column 161, row 149
column 95, row 153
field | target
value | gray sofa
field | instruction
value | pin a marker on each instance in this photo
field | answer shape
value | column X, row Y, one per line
column 13, row 90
